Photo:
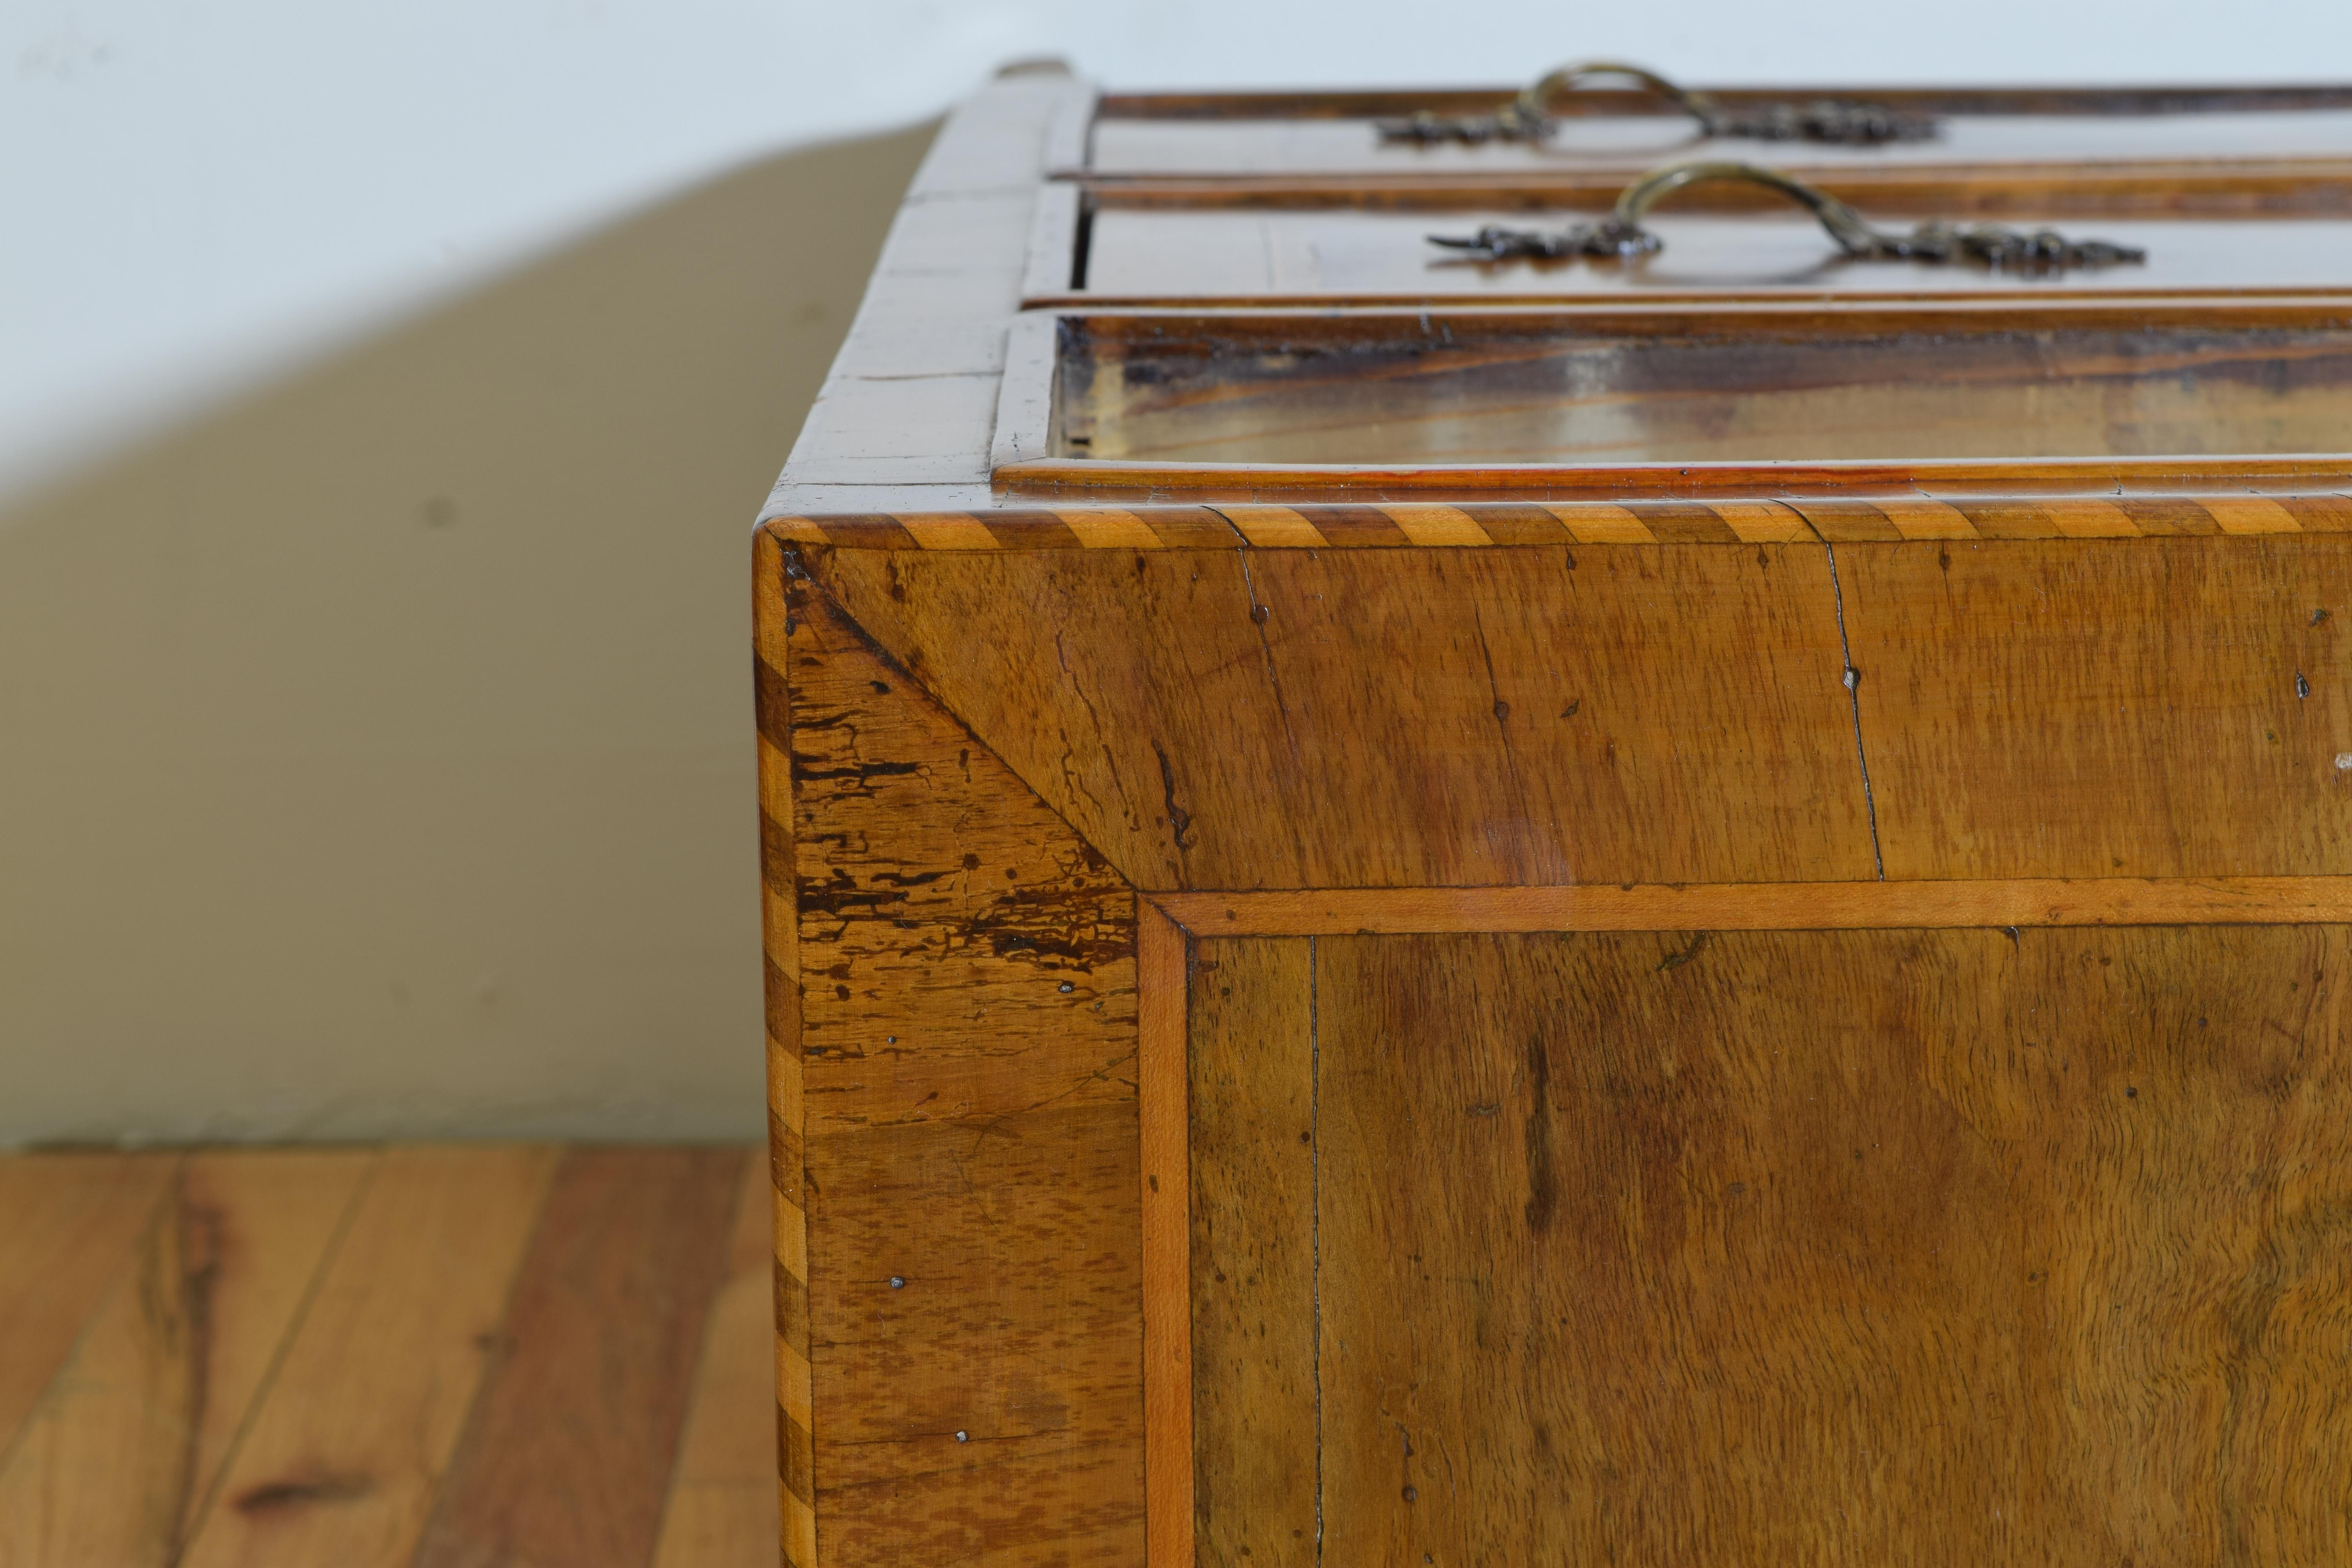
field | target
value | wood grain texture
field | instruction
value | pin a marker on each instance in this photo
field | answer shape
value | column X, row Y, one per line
column 1162, row 1094
column 1251, row 1290
column 70, row 1222
column 722, row 1509
column 120, row 1457
column 1344, row 719
column 2106, row 708
column 355, row 1431
column 560, row 1463
column 1767, row 906
column 1888, row 1248
column 967, row 1033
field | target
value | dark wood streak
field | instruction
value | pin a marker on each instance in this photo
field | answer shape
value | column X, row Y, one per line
column 203, row 1239
column 1543, row 1178
column 302, row 1491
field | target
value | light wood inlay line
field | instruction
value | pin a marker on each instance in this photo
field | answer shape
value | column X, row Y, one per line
column 1767, row 906
column 1160, row 1069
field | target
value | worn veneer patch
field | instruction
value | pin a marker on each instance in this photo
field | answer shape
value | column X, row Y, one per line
column 965, row 1054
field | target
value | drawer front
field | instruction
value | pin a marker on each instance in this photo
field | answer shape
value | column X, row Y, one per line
column 1952, row 1245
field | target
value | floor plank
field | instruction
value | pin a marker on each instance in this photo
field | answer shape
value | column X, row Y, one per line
column 569, row 1454
column 131, row 1434
column 723, row 1503
column 68, row 1224
column 355, row 1431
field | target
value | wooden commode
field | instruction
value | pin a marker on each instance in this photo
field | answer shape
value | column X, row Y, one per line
column 1668, row 884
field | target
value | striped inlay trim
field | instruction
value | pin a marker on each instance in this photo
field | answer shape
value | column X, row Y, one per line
column 1405, row 525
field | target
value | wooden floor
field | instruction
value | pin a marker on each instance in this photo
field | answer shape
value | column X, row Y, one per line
column 447, row 1356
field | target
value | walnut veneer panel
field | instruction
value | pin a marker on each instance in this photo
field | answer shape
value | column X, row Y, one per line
column 1890, row 1247
column 2106, row 708
column 1253, row 718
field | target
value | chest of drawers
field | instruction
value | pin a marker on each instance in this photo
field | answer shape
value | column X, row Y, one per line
column 1682, row 907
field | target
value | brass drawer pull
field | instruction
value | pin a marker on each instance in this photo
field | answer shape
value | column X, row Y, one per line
column 1528, row 117
column 1621, row 236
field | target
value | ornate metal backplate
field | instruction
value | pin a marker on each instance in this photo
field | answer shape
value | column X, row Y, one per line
column 1526, row 118
column 1620, row 235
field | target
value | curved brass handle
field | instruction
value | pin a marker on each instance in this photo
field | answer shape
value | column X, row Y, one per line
column 1621, row 236
column 1536, row 102
column 1528, row 117
column 1855, row 236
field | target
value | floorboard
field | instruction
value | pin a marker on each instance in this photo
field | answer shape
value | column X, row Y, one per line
column 131, row 1435
column 723, row 1503
column 67, row 1227
column 574, row 1442
column 408, row 1356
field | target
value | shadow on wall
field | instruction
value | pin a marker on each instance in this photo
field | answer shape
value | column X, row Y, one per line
column 378, row 751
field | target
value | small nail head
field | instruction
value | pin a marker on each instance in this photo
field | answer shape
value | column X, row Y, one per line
column 1065, row 988
column 963, row 1436
column 897, row 1282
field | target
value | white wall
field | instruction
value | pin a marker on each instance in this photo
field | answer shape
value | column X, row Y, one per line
column 385, row 392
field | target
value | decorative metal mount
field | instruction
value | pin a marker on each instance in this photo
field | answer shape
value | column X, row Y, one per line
column 1622, row 237
column 1527, row 118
